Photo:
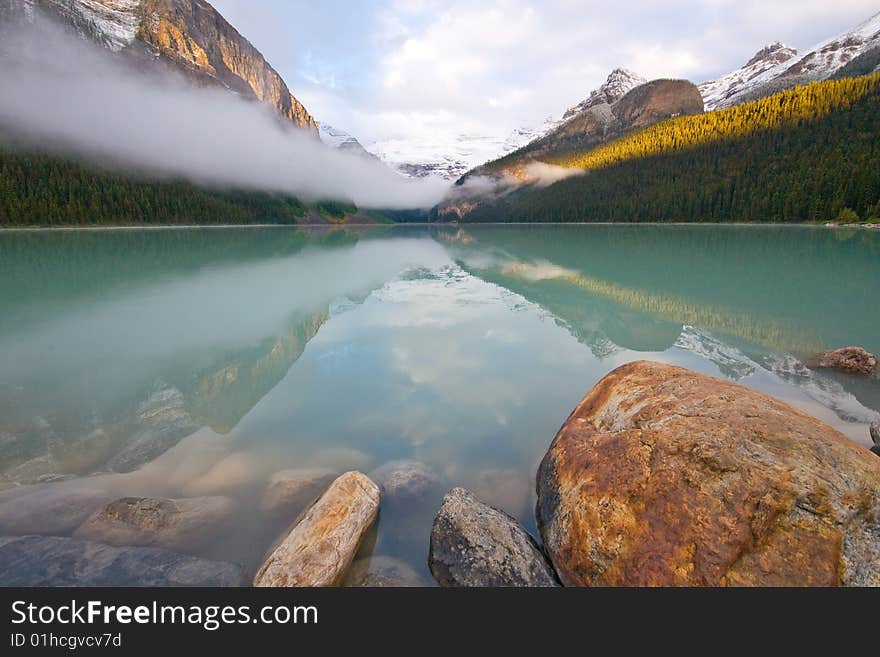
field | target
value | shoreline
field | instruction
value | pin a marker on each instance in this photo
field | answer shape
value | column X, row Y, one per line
column 34, row 229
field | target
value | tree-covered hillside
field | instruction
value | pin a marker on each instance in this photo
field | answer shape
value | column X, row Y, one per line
column 45, row 190
column 789, row 108
column 801, row 155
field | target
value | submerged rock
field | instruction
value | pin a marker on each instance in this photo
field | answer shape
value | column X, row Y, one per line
column 290, row 491
column 382, row 571
column 54, row 561
column 875, row 436
column 182, row 524
column 322, row 545
column 411, row 492
column 662, row 476
column 405, row 480
column 852, row 360
column 49, row 510
column 473, row 544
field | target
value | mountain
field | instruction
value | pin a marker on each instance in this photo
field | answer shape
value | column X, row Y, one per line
column 801, row 155
column 620, row 105
column 619, row 83
column 450, row 157
column 611, row 111
column 342, row 141
column 778, row 67
column 187, row 36
column 717, row 93
column 447, row 157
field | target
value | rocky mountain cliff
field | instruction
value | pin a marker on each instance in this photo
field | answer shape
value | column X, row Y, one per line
column 187, row 36
column 619, row 83
column 778, row 67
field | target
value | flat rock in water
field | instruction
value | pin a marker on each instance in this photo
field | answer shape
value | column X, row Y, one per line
column 53, row 561
column 49, row 510
column 322, row 545
column 662, row 476
column 852, row 360
column 473, row 544
column 182, row 524
column 382, row 571
column 290, row 491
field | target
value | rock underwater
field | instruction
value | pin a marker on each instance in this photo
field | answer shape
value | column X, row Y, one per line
column 291, row 491
column 54, row 561
column 183, row 524
column 662, row 476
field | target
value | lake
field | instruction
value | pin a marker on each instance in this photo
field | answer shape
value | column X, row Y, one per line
column 194, row 362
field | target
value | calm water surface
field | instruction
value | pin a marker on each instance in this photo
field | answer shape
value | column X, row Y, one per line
column 182, row 363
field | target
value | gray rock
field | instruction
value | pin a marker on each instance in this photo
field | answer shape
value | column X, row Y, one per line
column 382, row 571
column 54, row 561
column 473, row 544
column 49, row 511
column 875, row 432
column 183, row 524
column 405, row 480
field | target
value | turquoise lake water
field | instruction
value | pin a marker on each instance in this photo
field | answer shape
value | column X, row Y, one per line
column 193, row 362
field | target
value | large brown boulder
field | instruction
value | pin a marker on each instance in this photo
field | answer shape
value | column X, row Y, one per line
column 322, row 545
column 662, row 476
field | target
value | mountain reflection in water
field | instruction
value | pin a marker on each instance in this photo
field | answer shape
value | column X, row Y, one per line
column 183, row 363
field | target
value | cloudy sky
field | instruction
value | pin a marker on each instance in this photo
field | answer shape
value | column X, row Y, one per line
column 408, row 68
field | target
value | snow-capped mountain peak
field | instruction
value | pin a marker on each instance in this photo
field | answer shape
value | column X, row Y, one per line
column 616, row 86
column 778, row 67
column 115, row 23
column 452, row 157
column 716, row 93
column 833, row 54
column 341, row 140
column 772, row 55
column 443, row 156
column 334, row 137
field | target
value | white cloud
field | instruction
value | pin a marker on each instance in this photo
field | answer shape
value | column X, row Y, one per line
column 492, row 65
